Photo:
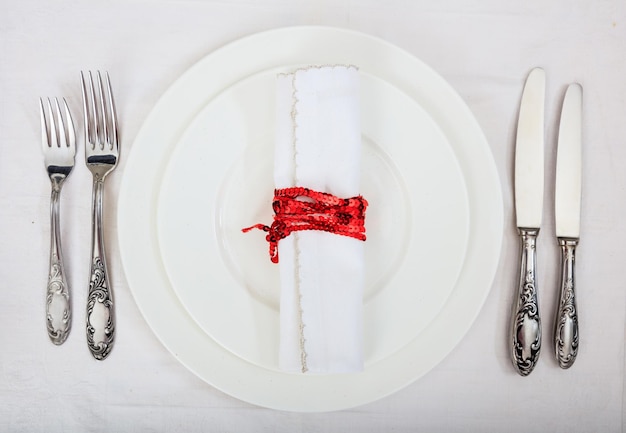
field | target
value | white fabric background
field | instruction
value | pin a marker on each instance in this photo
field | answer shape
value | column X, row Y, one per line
column 484, row 48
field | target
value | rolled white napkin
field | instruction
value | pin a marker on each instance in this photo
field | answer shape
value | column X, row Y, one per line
column 318, row 146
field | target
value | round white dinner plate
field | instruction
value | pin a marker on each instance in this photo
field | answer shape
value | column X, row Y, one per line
column 154, row 172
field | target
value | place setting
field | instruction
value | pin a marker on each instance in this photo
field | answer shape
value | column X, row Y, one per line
column 313, row 216
column 315, row 212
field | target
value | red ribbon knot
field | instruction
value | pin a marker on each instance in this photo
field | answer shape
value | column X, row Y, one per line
column 299, row 208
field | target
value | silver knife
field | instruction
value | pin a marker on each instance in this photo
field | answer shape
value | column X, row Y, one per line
column 526, row 323
column 567, row 215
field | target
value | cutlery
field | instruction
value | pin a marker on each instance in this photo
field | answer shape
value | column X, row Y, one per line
column 526, row 323
column 101, row 156
column 567, row 199
column 59, row 148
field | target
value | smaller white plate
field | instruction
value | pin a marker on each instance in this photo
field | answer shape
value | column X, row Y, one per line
column 220, row 179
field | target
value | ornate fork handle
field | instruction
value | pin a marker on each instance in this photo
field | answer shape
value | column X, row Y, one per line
column 526, row 321
column 58, row 308
column 100, row 306
column 566, row 326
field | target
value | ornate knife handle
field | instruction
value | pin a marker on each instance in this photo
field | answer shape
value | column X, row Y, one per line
column 526, row 323
column 566, row 326
column 58, row 308
column 100, row 306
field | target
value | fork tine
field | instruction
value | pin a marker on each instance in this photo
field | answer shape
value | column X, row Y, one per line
column 60, row 125
column 86, row 117
column 45, row 139
column 54, row 137
column 92, row 130
column 98, row 137
column 104, row 125
column 71, row 132
column 112, row 113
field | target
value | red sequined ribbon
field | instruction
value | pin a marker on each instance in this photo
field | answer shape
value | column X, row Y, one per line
column 300, row 208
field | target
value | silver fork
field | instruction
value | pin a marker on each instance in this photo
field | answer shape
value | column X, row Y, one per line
column 58, row 140
column 101, row 156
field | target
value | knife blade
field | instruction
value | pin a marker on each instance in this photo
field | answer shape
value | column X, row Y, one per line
column 529, row 148
column 567, row 199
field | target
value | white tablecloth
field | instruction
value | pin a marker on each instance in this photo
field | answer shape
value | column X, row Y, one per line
column 484, row 48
